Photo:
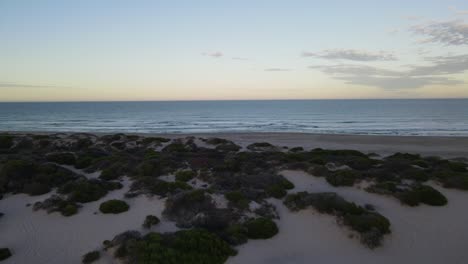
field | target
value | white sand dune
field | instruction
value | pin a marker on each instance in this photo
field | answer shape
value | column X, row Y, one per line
column 38, row 237
column 423, row 234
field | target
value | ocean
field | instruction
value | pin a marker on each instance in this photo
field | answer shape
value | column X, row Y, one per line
column 431, row 117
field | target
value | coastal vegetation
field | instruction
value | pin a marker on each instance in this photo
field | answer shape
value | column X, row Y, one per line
column 113, row 207
column 195, row 175
column 371, row 225
column 91, row 257
column 4, row 253
column 150, row 220
column 186, row 246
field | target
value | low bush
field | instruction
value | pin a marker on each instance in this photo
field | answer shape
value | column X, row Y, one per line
column 228, row 147
column 260, row 146
column 276, row 191
column 85, row 191
column 4, row 253
column 56, row 203
column 237, row 199
column 69, row 210
column 150, row 220
column 64, row 158
column 261, row 228
column 91, row 257
column 6, row 141
column 371, row 225
column 343, row 177
column 186, row 246
column 109, row 174
column 217, row 141
column 36, row 188
column 422, row 194
column 235, row 234
column 185, row 175
column 113, row 207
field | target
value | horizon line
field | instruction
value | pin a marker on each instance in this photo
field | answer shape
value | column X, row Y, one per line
column 236, row 100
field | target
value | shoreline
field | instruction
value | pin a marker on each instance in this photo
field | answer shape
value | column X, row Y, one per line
column 443, row 146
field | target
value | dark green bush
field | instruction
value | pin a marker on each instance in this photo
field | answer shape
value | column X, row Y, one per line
column 65, row 158
column 4, row 253
column 371, row 225
column 237, row 199
column 185, row 175
column 83, row 162
column 150, row 220
column 36, row 188
column 235, row 234
column 259, row 146
column 217, row 141
column 261, row 228
column 111, row 173
column 343, row 177
column 69, row 210
column 85, row 191
column 91, row 257
column 228, row 147
column 423, row 194
column 276, row 191
column 113, row 207
column 186, row 246
column 286, row 184
column 6, row 141
column 296, row 149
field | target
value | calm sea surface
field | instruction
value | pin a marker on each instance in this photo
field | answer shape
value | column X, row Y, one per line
column 379, row 117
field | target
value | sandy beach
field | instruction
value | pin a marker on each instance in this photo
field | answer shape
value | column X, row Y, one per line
column 422, row 234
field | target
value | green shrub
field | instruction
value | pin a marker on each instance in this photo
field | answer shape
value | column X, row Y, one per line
column 423, row 194
column 261, row 228
column 65, row 158
column 113, row 207
column 276, row 191
column 342, row 177
column 186, row 246
column 4, row 253
column 150, row 220
column 228, row 147
column 91, row 257
column 185, row 175
column 286, row 184
column 83, row 162
column 35, row 188
column 6, row 141
column 237, row 199
column 69, row 210
column 217, row 141
column 259, row 146
column 109, row 174
column 371, row 225
column 235, row 234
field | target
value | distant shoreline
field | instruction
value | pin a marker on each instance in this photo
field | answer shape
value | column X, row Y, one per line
column 444, row 146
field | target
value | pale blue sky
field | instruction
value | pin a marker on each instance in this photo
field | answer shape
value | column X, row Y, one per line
column 190, row 50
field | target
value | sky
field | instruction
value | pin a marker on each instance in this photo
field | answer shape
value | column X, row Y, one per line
column 112, row 50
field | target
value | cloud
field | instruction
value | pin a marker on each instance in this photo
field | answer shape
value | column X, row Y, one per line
column 446, row 32
column 414, row 76
column 458, row 11
column 22, row 85
column 442, row 65
column 277, row 69
column 216, row 54
column 240, row 58
column 350, row 54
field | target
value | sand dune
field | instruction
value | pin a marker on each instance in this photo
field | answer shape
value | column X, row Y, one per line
column 421, row 234
column 38, row 237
